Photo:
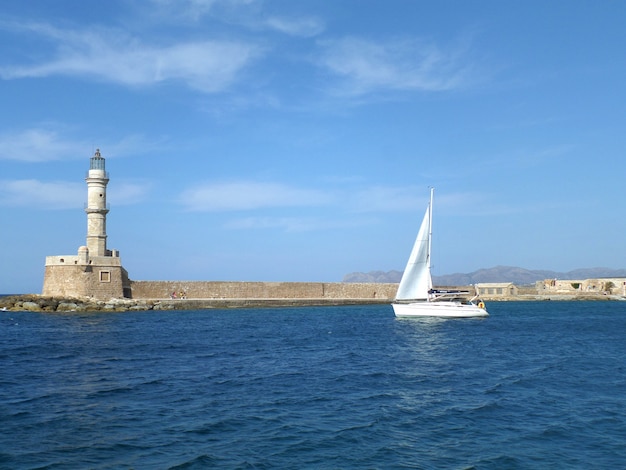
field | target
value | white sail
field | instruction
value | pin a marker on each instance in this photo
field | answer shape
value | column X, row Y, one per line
column 416, row 280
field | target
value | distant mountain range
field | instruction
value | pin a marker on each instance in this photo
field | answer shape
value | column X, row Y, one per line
column 519, row 276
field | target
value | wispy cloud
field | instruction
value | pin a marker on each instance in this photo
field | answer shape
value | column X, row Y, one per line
column 196, row 9
column 250, row 195
column 127, row 193
column 302, row 26
column 42, row 195
column 57, row 195
column 192, row 9
column 368, row 66
column 38, row 145
column 296, row 224
column 110, row 55
column 41, row 144
column 254, row 195
column 247, row 13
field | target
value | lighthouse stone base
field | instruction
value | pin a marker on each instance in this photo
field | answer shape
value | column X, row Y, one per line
column 82, row 276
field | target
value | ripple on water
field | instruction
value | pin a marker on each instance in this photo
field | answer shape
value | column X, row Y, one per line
column 336, row 387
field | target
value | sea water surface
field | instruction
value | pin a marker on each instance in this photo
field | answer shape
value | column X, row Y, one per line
column 535, row 385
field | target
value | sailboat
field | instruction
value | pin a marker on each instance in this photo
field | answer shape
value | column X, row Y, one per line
column 417, row 298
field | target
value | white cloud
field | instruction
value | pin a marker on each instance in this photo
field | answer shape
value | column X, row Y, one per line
column 42, row 195
column 253, row 195
column 126, row 193
column 196, row 9
column 303, row 27
column 250, row 195
column 289, row 224
column 109, row 55
column 189, row 8
column 246, row 13
column 295, row 224
column 38, row 145
column 398, row 64
column 35, row 194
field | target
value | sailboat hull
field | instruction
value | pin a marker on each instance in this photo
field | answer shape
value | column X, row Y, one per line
column 438, row 309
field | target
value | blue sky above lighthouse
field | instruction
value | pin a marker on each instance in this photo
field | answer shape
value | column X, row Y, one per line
column 296, row 141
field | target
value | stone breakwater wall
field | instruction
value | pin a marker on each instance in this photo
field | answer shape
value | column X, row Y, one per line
column 41, row 303
column 157, row 295
column 37, row 303
column 262, row 290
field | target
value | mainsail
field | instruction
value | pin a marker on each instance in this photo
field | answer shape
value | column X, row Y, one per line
column 416, row 280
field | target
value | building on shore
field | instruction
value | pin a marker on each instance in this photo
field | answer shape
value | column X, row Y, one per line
column 607, row 286
column 95, row 271
column 496, row 289
column 555, row 289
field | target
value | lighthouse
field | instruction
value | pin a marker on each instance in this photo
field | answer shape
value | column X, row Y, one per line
column 97, row 209
column 95, row 272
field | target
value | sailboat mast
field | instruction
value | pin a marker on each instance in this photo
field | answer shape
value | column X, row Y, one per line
column 430, row 234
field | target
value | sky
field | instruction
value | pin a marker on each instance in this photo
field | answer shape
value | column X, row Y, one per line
column 281, row 140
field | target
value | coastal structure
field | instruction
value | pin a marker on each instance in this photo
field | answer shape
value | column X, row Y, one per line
column 604, row 286
column 496, row 289
column 95, row 271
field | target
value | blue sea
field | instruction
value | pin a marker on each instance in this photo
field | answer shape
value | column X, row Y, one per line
column 536, row 385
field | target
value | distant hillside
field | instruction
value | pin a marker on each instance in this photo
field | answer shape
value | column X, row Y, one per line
column 519, row 276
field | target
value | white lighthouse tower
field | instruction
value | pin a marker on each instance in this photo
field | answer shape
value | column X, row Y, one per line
column 97, row 180
column 95, row 271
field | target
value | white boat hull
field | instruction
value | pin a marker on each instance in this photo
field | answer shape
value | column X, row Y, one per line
column 448, row 309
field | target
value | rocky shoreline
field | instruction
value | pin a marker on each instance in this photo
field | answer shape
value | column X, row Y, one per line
column 38, row 303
